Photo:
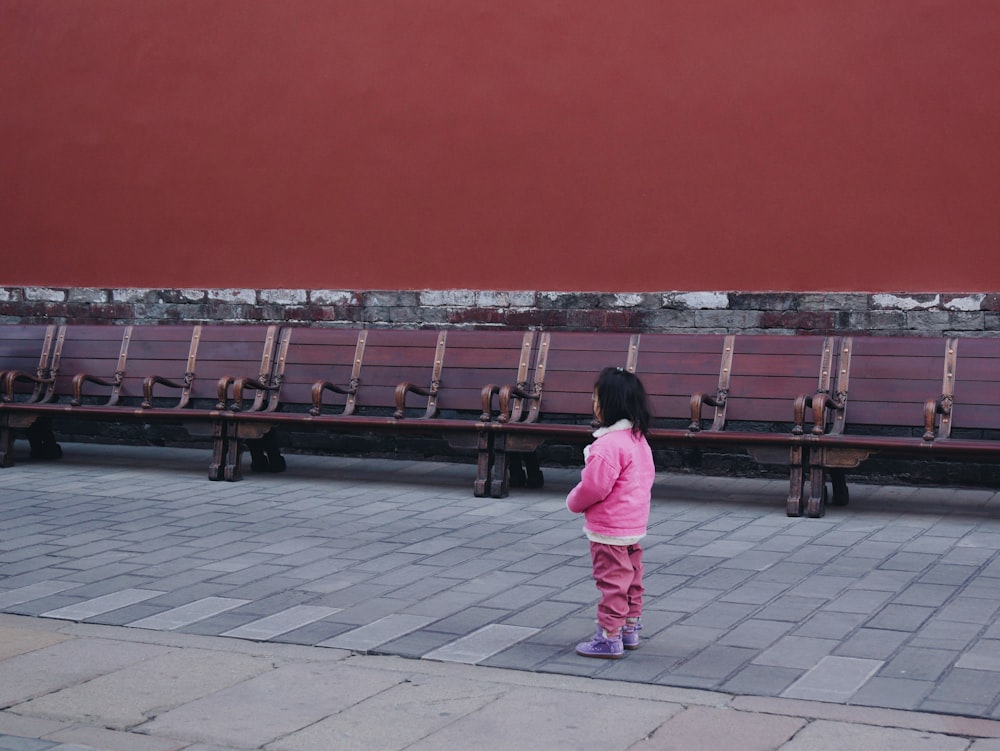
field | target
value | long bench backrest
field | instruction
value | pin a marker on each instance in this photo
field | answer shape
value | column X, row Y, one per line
column 26, row 348
column 886, row 381
column 474, row 360
column 753, row 379
column 308, row 355
column 112, row 364
column 976, row 393
column 142, row 350
column 96, row 350
column 566, row 366
column 226, row 352
column 392, row 357
column 673, row 367
column 769, row 372
column 376, row 360
column 366, row 367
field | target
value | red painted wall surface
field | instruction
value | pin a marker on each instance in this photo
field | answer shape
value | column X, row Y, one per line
column 530, row 144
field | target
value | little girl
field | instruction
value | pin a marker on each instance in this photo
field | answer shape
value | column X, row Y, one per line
column 613, row 495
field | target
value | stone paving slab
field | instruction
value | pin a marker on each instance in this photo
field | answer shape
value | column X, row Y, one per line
column 579, row 721
column 132, row 695
column 42, row 671
column 826, row 736
column 270, row 706
column 889, row 602
column 715, row 729
column 363, row 726
column 288, row 698
column 17, row 641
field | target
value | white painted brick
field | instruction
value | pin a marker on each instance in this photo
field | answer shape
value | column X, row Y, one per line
column 87, row 295
column 389, row 298
column 900, row 302
column 627, row 300
column 129, row 294
column 971, row 303
column 284, row 296
column 521, row 298
column 697, row 300
column 487, row 299
column 450, row 297
column 234, row 295
column 332, row 297
column 44, row 294
column 506, row 299
column 191, row 295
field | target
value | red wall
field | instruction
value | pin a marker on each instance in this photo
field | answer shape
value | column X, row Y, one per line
column 529, row 144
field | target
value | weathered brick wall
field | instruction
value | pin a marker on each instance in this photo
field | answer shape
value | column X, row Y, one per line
column 973, row 314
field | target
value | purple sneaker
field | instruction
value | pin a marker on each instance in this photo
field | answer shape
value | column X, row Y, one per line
column 604, row 647
column 630, row 635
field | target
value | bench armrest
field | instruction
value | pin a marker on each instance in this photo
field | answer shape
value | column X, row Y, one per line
column 150, row 381
column 239, row 386
column 818, row 403
column 13, row 376
column 81, row 378
column 932, row 408
column 489, row 391
column 700, row 400
column 411, row 388
column 514, row 391
column 317, row 395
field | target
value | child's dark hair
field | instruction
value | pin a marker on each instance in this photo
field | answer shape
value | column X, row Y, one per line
column 621, row 395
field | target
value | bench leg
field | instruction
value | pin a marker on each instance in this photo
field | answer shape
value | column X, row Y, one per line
column 524, row 470
column 265, row 453
column 42, row 439
column 233, row 470
column 6, row 445
column 816, row 503
column 484, row 465
column 499, row 481
column 219, row 444
column 798, row 459
column 841, row 496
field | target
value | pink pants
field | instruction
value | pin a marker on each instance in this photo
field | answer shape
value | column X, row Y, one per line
column 618, row 573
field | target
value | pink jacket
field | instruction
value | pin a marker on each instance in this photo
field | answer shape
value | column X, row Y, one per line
column 615, row 485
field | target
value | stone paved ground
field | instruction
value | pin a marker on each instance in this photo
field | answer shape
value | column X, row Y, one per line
column 891, row 602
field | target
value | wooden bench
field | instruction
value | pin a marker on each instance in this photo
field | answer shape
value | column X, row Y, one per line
column 820, row 405
column 402, row 382
column 736, row 391
column 918, row 397
column 139, row 374
column 240, row 382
